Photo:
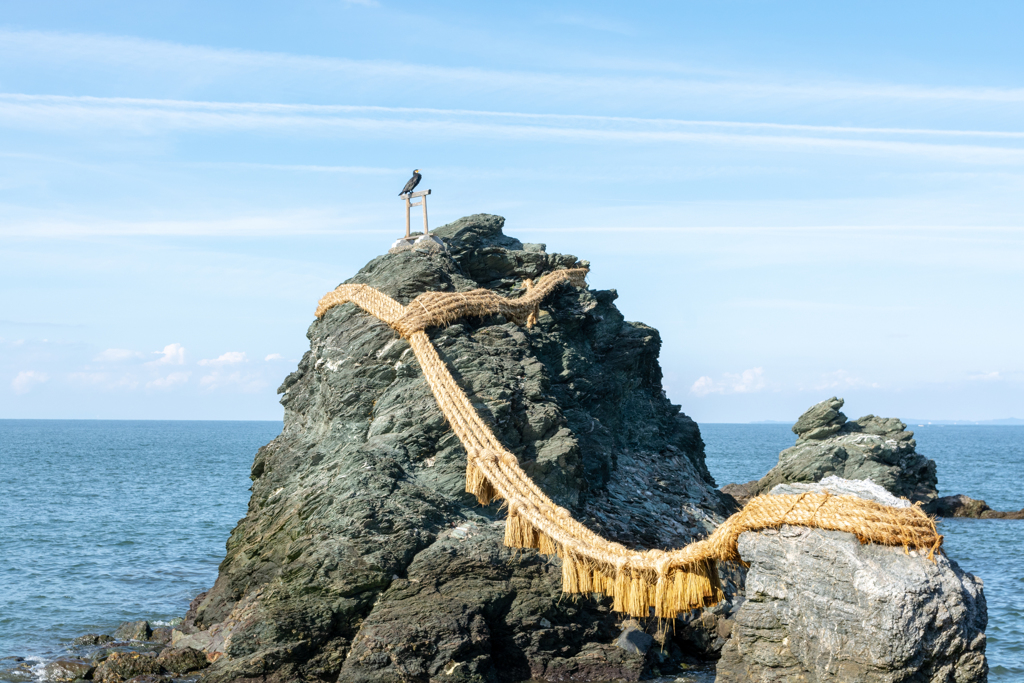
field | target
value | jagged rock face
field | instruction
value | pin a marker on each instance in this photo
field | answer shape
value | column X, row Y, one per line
column 361, row 557
column 822, row 607
column 875, row 448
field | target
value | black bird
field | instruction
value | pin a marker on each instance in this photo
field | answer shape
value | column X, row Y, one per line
column 413, row 182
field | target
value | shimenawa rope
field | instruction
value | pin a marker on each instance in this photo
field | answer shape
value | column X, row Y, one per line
column 668, row 581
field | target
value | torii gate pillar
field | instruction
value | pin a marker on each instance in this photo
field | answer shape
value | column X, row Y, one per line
column 408, row 209
column 407, row 242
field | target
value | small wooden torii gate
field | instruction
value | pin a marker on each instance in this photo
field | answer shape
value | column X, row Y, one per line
column 408, row 208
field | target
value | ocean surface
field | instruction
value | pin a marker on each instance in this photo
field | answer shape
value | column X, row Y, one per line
column 108, row 521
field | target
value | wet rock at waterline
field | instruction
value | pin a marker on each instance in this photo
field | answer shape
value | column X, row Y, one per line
column 362, row 559
column 67, row 669
column 820, row 606
column 121, row 666
column 91, row 639
column 964, row 506
column 133, row 630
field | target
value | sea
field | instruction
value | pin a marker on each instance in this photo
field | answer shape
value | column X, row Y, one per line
column 109, row 521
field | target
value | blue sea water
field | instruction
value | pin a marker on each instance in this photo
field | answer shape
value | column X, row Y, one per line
column 107, row 521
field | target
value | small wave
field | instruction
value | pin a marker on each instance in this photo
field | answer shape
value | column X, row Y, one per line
column 38, row 670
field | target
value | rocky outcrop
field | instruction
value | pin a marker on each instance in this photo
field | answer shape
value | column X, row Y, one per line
column 820, row 606
column 362, row 559
column 872, row 448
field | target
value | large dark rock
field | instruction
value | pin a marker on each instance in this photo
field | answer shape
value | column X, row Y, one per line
column 362, row 559
column 133, row 630
column 820, row 606
column 91, row 639
column 121, row 666
column 875, row 448
column 68, row 669
column 182, row 660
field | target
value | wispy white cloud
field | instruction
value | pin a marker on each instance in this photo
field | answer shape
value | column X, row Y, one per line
column 148, row 116
column 172, row 354
column 274, row 356
column 985, row 376
column 841, row 379
column 229, row 358
column 746, row 382
column 298, row 222
column 594, row 22
column 104, row 379
column 244, row 382
column 307, row 168
column 117, row 356
column 26, row 379
column 168, row 381
column 206, row 64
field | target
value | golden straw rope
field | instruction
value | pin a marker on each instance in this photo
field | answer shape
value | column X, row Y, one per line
column 668, row 581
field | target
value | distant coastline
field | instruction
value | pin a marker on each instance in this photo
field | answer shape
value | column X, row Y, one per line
column 910, row 422
column 917, row 422
column 1005, row 422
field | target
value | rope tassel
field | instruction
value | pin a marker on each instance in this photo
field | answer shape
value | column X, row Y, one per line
column 669, row 582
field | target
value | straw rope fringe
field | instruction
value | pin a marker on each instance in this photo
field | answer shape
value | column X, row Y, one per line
column 670, row 582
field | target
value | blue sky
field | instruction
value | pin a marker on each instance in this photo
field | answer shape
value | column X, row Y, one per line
column 807, row 199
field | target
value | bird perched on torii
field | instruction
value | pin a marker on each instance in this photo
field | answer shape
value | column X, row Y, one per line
column 413, row 182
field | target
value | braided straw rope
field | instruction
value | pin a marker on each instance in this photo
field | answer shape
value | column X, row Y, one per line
column 668, row 581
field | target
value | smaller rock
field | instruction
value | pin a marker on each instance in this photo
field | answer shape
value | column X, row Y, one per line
column 633, row 639
column 998, row 514
column 963, row 506
column 824, row 414
column 699, row 635
column 870, row 447
column 959, row 506
column 161, row 635
column 121, row 666
column 200, row 640
column 822, row 606
column 741, row 493
column 182, row 660
column 68, row 669
column 133, row 630
column 91, row 639
column 594, row 662
column 188, row 624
